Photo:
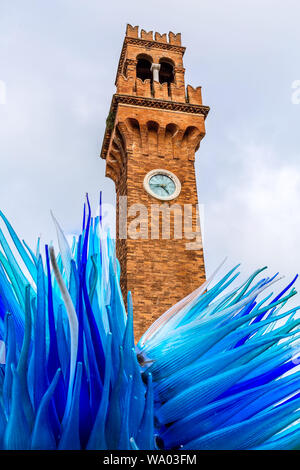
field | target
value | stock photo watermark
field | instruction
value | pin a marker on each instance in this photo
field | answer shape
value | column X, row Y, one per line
column 2, row 92
column 156, row 222
column 295, row 97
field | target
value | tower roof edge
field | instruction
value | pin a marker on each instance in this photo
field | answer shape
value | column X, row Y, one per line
column 172, row 39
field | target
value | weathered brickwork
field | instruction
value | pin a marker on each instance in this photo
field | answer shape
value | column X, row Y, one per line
column 155, row 127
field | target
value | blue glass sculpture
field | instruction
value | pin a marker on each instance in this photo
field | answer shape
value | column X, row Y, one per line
column 217, row 371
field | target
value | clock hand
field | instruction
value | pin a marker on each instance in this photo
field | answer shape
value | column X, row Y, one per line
column 160, row 185
column 163, row 186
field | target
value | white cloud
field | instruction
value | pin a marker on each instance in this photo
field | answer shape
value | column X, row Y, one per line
column 257, row 219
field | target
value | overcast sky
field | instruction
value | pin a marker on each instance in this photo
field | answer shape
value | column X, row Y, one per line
column 58, row 62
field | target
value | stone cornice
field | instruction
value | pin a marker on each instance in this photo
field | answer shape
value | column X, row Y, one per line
column 148, row 103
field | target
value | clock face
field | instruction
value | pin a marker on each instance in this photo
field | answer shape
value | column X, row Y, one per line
column 162, row 184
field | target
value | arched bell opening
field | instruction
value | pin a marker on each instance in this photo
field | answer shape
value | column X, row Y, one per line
column 143, row 67
column 166, row 72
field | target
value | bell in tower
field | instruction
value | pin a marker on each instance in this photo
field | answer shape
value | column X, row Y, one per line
column 154, row 128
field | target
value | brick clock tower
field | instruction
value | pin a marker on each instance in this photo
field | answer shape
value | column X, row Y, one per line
column 153, row 130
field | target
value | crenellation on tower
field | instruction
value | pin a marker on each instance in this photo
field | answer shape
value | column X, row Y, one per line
column 194, row 95
column 161, row 37
column 133, row 32
column 148, row 36
column 175, row 38
column 161, row 92
column 143, row 88
column 125, row 85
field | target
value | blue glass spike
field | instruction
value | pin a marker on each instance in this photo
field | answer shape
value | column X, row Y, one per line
column 145, row 435
column 100, row 207
column 70, row 438
column 223, row 366
column 43, row 437
column 10, row 341
column 23, row 362
column 97, row 438
column 39, row 344
column 53, row 363
column 124, row 440
column 17, row 433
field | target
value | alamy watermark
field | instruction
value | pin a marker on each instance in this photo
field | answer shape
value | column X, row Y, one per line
column 295, row 97
column 2, row 92
column 162, row 221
